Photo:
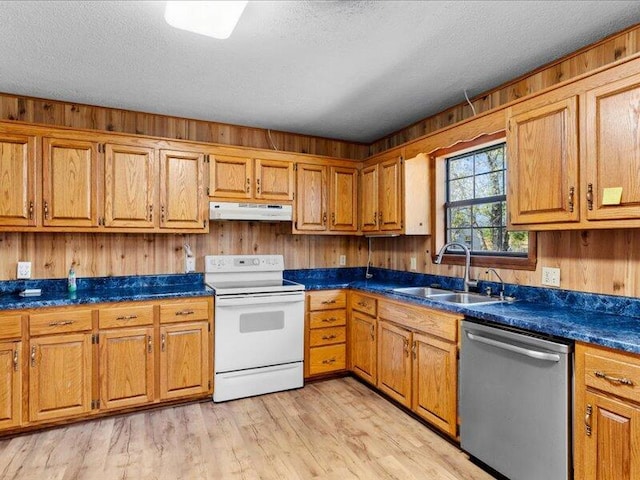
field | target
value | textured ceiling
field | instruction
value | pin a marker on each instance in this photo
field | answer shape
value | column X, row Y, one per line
column 354, row 70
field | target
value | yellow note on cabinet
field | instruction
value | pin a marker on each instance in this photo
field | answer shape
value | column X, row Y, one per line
column 612, row 196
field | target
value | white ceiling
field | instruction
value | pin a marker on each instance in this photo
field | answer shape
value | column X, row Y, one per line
column 355, row 70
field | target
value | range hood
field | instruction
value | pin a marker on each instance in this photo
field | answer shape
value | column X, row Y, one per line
column 249, row 211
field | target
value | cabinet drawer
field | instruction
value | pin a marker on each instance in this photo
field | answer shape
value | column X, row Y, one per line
column 330, row 318
column 364, row 304
column 10, row 326
column 184, row 311
column 612, row 372
column 327, row 336
column 432, row 322
column 60, row 322
column 327, row 359
column 327, row 299
column 126, row 316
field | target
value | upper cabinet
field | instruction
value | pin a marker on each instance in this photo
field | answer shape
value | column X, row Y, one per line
column 395, row 194
column 243, row 177
column 65, row 180
column 574, row 155
column 327, row 199
column 17, row 179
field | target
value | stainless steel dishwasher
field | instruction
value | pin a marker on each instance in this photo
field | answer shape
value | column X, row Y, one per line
column 515, row 401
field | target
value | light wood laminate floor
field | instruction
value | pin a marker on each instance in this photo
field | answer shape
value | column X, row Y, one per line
column 332, row 430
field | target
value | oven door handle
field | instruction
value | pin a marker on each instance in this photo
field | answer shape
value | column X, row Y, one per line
column 257, row 299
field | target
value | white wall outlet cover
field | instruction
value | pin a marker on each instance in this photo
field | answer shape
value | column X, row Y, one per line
column 343, row 260
column 414, row 263
column 550, row 276
column 23, row 270
column 189, row 264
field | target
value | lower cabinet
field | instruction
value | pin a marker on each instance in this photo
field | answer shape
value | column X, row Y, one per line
column 60, row 376
column 126, row 367
column 325, row 333
column 184, row 359
column 10, row 384
column 394, row 362
column 606, row 414
column 363, row 346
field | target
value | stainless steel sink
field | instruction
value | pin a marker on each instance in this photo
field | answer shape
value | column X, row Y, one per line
column 422, row 291
column 467, row 298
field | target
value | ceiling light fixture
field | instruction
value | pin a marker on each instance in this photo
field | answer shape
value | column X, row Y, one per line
column 214, row 19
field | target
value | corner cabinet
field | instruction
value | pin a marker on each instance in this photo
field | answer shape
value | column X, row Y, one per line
column 395, row 194
column 606, row 414
column 327, row 199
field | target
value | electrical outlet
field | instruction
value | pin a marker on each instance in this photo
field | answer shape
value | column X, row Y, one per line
column 414, row 263
column 23, row 270
column 189, row 264
column 551, row 276
column 343, row 260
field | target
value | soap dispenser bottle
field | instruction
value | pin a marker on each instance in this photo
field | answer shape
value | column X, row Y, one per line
column 71, row 282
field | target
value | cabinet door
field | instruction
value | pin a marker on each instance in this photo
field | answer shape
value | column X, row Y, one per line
column 17, row 180
column 394, row 362
column 60, row 376
column 230, row 177
column 311, row 211
column 69, row 183
column 182, row 202
column 130, row 180
column 390, row 195
column 184, row 359
column 435, row 382
column 343, row 199
column 612, row 449
column 612, row 151
column 11, row 385
column 126, row 367
column 363, row 346
column 542, row 146
column 369, row 200
column 274, row 180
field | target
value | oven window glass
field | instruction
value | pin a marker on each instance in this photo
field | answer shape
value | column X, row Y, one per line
column 261, row 321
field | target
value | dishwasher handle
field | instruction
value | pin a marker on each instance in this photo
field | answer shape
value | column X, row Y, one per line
column 550, row 357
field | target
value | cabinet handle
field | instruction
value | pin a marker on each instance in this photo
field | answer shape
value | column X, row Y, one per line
column 324, row 218
column 33, row 355
column 406, row 347
column 127, row 317
column 31, row 210
column 328, row 302
column 375, row 219
column 363, row 304
column 248, row 184
column 329, row 361
column 162, row 213
column 184, row 312
column 572, row 192
column 46, row 210
column 15, row 360
column 380, row 217
column 63, row 323
column 328, row 337
column 590, row 196
column 414, row 347
column 149, row 343
column 150, row 208
column 162, row 341
column 257, row 185
column 587, row 420
column 373, row 332
column 333, row 218
column 329, row 320
column 621, row 380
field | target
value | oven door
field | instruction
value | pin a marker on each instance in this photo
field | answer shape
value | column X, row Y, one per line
column 258, row 330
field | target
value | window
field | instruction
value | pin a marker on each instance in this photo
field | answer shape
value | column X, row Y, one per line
column 476, row 206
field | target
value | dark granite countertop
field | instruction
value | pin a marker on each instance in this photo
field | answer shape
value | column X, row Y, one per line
column 607, row 320
column 101, row 290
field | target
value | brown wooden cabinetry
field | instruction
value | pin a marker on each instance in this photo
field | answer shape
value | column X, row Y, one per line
column 325, row 332
column 11, row 368
column 363, row 334
column 327, row 199
column 607, row 414
column 394, row 362
column 182, row 200
column 17, row 178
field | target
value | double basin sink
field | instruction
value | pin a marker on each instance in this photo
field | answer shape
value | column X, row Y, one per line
column 460, row 298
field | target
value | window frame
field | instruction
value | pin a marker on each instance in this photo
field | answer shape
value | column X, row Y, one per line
column 439, row 187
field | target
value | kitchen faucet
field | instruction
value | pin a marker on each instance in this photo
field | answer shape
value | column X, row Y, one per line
column 467, row 262
column 489, row 270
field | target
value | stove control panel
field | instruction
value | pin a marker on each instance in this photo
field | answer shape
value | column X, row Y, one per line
column 243, row 263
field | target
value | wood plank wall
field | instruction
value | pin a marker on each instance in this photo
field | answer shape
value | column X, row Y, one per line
column 604, row 52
